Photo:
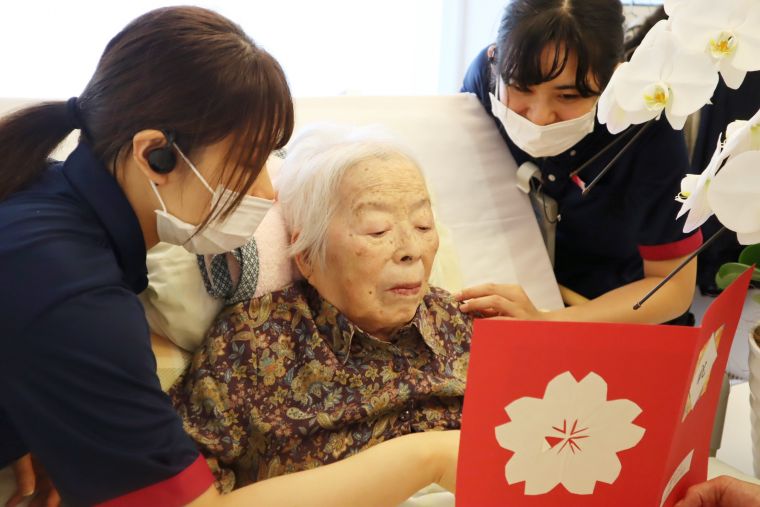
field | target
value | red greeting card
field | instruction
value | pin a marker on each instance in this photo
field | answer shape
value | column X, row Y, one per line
column 590, row 414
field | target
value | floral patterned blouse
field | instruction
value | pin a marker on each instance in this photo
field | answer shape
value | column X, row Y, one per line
column 286, row 382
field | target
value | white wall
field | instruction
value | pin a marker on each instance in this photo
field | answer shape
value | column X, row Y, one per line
column 49, row 48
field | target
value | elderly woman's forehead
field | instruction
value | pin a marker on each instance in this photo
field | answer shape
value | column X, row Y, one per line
column 396, row 187
column 382, row 171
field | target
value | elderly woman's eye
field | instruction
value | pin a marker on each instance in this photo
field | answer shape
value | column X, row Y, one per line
column 423, row 228
column 377, row 234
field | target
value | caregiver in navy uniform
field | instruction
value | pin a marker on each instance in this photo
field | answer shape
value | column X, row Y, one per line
column 541, row 81
column 176, row 125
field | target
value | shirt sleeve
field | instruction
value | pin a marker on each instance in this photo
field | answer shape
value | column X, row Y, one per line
column 81, row 391
column 11, row 445
column 208, row 399
column 477, row 79
column 660, row 165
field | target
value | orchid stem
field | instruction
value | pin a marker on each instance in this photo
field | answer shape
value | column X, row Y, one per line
column 673, row 273
column 615, row 159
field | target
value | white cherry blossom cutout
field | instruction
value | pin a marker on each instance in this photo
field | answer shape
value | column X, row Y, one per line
column 571, row 436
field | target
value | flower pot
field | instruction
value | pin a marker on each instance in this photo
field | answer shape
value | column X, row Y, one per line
column 754, row 397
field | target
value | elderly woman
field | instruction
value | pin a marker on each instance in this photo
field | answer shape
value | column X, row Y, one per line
column 361, row 350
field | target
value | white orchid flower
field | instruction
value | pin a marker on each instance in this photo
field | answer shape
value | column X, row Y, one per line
column 726, row 30
column 733, row 196
column 571, row 436
column 615, row 117
column 662, row 76
column 693, row 194
column 741, row 136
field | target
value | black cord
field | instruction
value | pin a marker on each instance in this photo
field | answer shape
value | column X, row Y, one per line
column 615, row 159
column 673, row 273
column 602, row 151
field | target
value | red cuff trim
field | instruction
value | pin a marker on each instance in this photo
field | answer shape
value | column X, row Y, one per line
column 179, row 490
column 670, row 251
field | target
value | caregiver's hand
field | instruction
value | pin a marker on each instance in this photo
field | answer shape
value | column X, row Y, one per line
column 499, row 300
column 723, row 491
column 32, row 483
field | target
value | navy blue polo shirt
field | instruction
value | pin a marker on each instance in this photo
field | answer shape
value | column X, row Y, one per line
column 78, row 375
column 629, row 216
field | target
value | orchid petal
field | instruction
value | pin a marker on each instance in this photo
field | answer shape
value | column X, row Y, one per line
column 653, row 37
column 672, row 6
column 733, row 193
column 696, row 204
column 734, row 127
column 747, row 56
column 742, row 136
column 699, row 213
column 749, row 238
column 732, row 76
column 705, row 20
column 692, row 81
column 689, row 184
column 634, row 80
column 608, row 112
column 676, row 121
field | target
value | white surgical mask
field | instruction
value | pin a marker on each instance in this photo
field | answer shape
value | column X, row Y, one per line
column 219, row 236
column 541, row 140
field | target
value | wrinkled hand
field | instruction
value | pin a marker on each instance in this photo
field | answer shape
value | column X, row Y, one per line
column 723, row 491
column 33, row 484
column 499, row 300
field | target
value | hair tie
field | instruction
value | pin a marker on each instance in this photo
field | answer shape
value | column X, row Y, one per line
column 74, row 115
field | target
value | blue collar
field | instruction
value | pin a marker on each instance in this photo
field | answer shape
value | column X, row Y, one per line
column 96, row 186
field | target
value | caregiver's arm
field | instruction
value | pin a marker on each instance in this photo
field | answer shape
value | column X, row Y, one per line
column 671, row 301
column 382, row 476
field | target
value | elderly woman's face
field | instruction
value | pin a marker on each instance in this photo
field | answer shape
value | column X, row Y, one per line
column 380, row 246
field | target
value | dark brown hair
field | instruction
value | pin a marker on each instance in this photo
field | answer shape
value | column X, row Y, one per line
column 641, row 31
column 592, row 30
column 186, row 70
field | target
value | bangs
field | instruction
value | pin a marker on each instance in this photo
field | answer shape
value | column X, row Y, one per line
column 261, row 121
column 523, row 63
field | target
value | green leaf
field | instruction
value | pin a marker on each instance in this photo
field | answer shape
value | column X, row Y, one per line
column 750, row 255
column 730, row 271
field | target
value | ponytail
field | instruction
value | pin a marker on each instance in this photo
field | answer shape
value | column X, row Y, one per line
column 28, row 137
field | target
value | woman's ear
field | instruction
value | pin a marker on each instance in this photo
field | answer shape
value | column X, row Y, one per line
column 301, row 259
column 143, row 143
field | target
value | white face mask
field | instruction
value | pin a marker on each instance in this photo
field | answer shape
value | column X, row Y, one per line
column 218, row 236
column 537, row 140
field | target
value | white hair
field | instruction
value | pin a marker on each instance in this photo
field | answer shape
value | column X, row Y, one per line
column 309, row 179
